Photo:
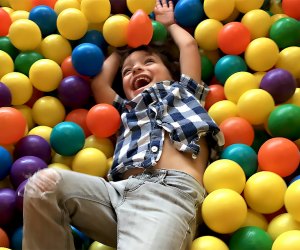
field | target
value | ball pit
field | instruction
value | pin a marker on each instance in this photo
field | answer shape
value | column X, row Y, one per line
column 250, row 59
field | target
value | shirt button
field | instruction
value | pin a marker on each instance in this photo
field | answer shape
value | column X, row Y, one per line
column 154, row 149
column 159, row 122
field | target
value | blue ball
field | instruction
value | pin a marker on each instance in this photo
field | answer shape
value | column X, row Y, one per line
column 189, row 13
column 16, row 239
column 6, row 162
column 297, row 177
column 87, row 59
column 45, row 17
column 94, row 37
column 67, row 138
column 244, row 155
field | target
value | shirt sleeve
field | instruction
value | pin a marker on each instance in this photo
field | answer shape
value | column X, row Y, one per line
column 119, row 103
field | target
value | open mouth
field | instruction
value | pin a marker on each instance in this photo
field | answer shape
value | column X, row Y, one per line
column 140, row 82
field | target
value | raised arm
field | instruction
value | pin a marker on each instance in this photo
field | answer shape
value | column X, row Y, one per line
column 190, row 62
column 102, row 83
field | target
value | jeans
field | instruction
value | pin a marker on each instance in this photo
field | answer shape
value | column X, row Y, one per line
column 155, row 210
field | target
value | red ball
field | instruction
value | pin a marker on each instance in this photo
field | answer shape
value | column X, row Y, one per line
column 5, row 21
column 291, row 8
column 279, row 155
column 103, row 120
column 79, row 117
column 215, row 94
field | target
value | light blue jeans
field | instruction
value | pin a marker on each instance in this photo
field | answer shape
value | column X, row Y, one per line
column 154, row 210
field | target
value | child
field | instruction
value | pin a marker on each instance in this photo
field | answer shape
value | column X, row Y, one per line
column 164, row 144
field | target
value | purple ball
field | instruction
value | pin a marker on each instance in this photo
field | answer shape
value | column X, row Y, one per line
column 280, row 83
column 20, row 195
column 33, row 145
column 74, row 92
column 8, row 205
column 25, row 167
column 5, row 96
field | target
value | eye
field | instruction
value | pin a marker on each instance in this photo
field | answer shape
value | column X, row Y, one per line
column 126, row 71
column 149, row 60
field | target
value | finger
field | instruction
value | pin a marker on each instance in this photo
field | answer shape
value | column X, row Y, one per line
column 164, row 2
column 171, row 5
column 158, row 3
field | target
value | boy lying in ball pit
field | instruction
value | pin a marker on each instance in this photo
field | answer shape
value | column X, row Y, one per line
column 165, row 141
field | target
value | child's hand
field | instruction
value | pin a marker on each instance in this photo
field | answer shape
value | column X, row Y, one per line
column 164, row 12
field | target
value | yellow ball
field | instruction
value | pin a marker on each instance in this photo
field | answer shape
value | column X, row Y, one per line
column 103, row 144
column 295, row 99
column 259, row 75
column 258, row 22
column 19, row 14
column 61, row 5
column 45, row 75
column 59, row 165
column 222, row 110
column 96, row 11
column 208, row 243
column 292, row 201
column 255, row 105
column 282, row 223
column 218, row 9
column 20, row 87
column 72, row 24
column 20, row 4
column 27, row 113
column 115, row 30
column 261, row 54
column 255, row 219
column 276, row 17
column 99, row 246
column 48, row 111
column 289, row 240
column 289, row 59
column 238, row 83
column 206, row 34
column 56, row 48
column 90, row 161
column 25, row 34
column 224, row 173
column 147, row 6
column 42, row 131
column 264, row 192
column 6, row 62
column 245, row 6
column 224, row 211
column 66, row 160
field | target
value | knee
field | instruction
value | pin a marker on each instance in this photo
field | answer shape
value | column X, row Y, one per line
column 43, row 182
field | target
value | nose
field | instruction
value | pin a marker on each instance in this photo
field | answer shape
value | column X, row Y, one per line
column 137, row 67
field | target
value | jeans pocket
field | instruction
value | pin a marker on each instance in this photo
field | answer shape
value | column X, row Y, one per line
column 133, row 184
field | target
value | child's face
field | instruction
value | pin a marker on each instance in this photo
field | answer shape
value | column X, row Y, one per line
column 142, row 70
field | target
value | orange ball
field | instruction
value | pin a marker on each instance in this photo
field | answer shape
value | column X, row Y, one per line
column 79, row 116
column 4, row 240
column 215, row 94
column 103, row 120
column 279, row 155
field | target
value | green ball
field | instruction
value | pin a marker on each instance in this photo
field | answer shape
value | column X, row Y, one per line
column 250, row 238
column 284, row 121
column 260, row 137
column 24, row 61
column 285, row 32
column 7, row 46
column 160, row 33
column 207, row 69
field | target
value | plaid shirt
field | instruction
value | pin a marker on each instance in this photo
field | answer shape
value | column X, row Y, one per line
column 175, row 107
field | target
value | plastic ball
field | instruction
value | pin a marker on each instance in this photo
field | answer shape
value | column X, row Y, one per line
column 279, row 155
column 188, row 13
column 147, row 6
column 5, row 22
column 105, row 145
column 87, row 59
column 8, row 205
column 276, row 17
column 19, row 14
column 24, row 167
column 67, row 138
column 99, row 246
column 295, row 99
column 42, row 131
column 62, row 159
column 215, row 95
column 250, row 238
column 4, row 240
column 8, row 47
column 224, row 174
column 291, row 8
column 79, row 116
column 98, row 117
column 49, row 3
column 234, row 38
column 255, row 219
column 207, row 68
column 222, row 110
column 284, row 121
column 218, row 10
column 115, row 30
column 68, row 68
column 81, row 241
column 96, row 11
column 228, row 65
column 261, row 54
column 20, row 4
column 224, row 211
column 245, row 6
column 12, row 125
column 160, row 33
column 20, row 87
column 5, row 95
column 291, row 200
column 258, row 23
column 208, row 242
column 48, row 111
column 25, row 34
column 288, row 59
column 206, row 34
column 6, row 162
column 24, row 61
column 33, row 145
column 45, row 75
column 20, row 195
column 56, row 48
column 264, row 192
column 285, row 32
column 59, row 165
column 45, row 17
column 16, row 238
column 65, row 24
column 282, row 223
column 7, row 64
column 61, row 5
column 95, row 37
column 90, row 161
column 287, row 240
column 27, row 113
column 255, row 105
column 36, row 94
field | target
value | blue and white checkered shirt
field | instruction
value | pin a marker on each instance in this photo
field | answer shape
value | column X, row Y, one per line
column 175, row 107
